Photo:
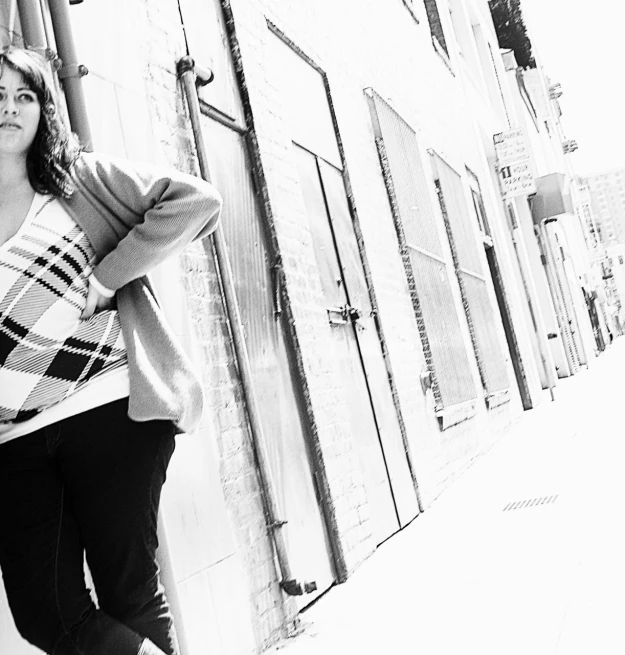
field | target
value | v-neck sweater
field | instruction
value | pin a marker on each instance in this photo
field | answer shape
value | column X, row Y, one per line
column 137, row 216
column 48, row 355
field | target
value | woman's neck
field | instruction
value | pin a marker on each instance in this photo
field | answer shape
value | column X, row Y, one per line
column 13, row 176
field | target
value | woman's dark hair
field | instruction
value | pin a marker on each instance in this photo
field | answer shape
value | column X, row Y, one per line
column 54, row 149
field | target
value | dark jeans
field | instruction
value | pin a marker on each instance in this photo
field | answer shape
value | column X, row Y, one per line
column 89, row 484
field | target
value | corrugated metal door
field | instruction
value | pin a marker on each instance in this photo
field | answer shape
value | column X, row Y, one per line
column 501, row 296
column 283, row 422
column 303, row 104
column 383, row 461
column 369, row 345
column 478, row 309
column 426, row 265
column 276, row 384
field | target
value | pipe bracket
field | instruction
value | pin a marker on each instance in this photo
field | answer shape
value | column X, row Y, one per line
column 277, row 524
column 297, row 588
column 49, row 55
column 203, row 75
column 184, row 65
column 73, row 70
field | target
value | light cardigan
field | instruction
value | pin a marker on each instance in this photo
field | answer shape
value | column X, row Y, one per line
column 136, row 216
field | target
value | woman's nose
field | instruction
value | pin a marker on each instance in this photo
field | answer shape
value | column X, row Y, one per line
column 9, row 106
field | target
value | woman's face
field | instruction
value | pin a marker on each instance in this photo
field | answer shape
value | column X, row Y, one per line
column 19, row 113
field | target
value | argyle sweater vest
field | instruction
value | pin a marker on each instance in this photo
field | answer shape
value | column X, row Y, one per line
column 47, row 352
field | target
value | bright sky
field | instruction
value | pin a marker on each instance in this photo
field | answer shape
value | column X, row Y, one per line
column 580, row 45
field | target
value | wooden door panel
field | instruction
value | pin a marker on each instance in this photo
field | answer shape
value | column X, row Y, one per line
column 282, row 417
column 363, row 426
column 322, row 239
column 346, row 352
column 370, row 349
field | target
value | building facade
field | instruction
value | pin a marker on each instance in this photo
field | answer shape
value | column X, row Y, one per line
column 376, row 309
column 607, row 196
column 607, row 191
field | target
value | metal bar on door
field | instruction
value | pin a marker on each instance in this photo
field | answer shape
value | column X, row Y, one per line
column 186, row 72
column 333, row 312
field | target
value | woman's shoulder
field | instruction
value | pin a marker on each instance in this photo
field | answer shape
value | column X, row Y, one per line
column 99, row 163
column 97, row 168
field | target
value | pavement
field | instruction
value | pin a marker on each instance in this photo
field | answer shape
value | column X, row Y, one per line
column 472, row 575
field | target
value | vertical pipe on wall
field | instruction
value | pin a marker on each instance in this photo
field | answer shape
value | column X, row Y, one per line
column 187, row 74
column 33, row 30
column 167, row 576
column 71, row 72
column 31, row 21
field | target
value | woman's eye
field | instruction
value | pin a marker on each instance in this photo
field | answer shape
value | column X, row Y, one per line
column 26, row 98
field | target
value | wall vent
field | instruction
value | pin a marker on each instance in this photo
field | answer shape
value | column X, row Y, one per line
column 534, row 502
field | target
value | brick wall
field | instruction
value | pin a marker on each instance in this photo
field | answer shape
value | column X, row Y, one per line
column 270, row 614
column 426, row 93
column 237, row 462
column 325, row 393
column 341, row 37
column 145, row 64
column 419, row 84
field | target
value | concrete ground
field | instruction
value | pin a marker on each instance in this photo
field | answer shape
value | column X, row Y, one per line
column 470, row 576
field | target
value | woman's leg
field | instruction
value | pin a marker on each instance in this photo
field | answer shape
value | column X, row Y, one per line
column 41, row 557
column 113, row 469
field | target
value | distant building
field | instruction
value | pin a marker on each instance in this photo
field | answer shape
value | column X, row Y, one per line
column 607, row 190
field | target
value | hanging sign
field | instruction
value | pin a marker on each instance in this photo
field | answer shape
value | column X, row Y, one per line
column 516, row 180
column 510, row 147
column 513, row 162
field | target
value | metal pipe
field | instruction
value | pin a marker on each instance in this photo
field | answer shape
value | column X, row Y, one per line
column 221, row 118
column 31, row 21
column 186, row 72
column 71, row 72
column 168, row 580
column 34, row 35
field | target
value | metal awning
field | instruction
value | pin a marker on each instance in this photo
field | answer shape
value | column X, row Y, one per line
column 552, row 197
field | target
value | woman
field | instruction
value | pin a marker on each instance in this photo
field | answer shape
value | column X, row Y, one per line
column 93, row 388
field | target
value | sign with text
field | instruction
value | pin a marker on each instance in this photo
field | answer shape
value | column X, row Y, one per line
column 513, row 162
column 510, row 147
column 517, row 180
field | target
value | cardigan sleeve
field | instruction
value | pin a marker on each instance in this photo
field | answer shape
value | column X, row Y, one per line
column 158, row 211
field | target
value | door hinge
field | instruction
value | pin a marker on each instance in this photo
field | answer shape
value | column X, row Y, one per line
column 276, row 274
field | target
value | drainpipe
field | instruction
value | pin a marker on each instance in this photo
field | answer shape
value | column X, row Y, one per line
column 190, row 75
column 31, row 21
column 71, row 71
column 35, row 37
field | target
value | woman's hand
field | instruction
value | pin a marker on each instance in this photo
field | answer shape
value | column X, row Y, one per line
column 96, row 302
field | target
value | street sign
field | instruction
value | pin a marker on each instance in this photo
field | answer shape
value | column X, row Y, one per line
column 513, row 163
column 510, row 147
column 516, row 180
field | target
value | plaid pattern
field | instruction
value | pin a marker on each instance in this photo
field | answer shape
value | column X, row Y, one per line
column 46, row 351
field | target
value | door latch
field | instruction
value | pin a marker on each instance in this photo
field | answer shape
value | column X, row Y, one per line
column 342, row 315
column 352, row 313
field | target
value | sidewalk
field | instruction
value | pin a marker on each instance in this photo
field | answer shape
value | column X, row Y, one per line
column 468, row 577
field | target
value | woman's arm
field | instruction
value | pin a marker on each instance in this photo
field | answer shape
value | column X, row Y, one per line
column 155, row 211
